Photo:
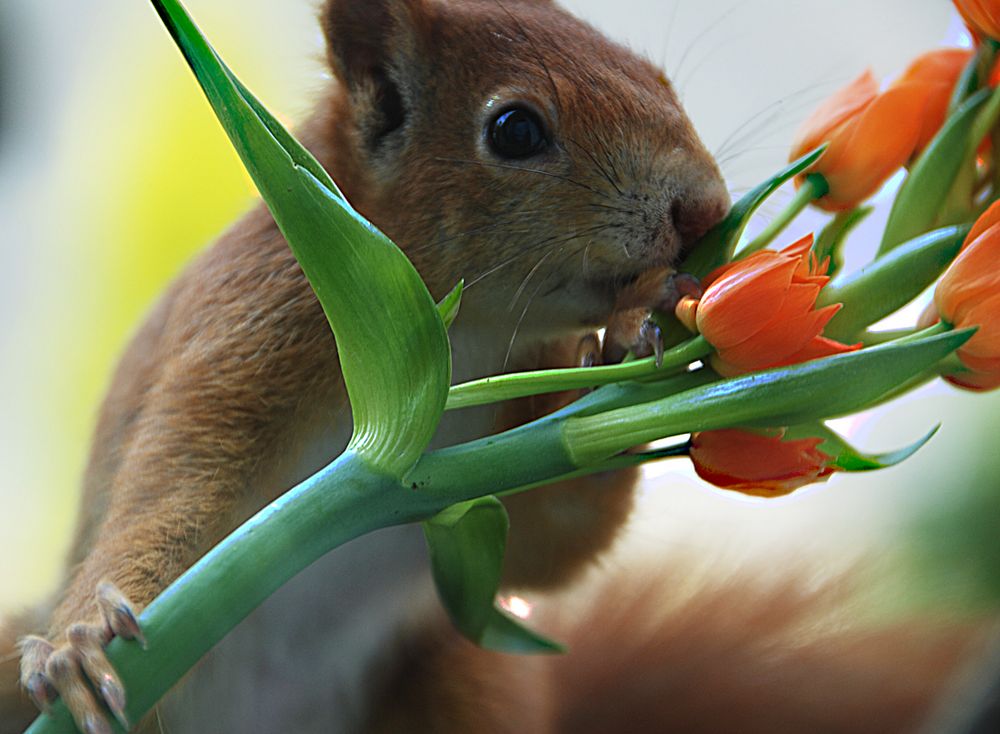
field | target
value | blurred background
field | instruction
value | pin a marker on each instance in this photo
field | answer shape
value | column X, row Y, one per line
column 113, row 172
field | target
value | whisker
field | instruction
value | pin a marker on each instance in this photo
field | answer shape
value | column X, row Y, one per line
column 670, row 33
column 707, row 56
column 524, row 283
column 517, row 326
column 554, row 241
column 607, row 176
column 696, row 41
column 803, row 99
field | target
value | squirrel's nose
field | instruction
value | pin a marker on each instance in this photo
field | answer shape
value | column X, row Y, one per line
column 696, row 208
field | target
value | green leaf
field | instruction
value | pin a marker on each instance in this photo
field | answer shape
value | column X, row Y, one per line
column 850, row 459
column 968, row 80
column 449, row 305
column 890, row 282
column 832, row 238
column 718, row 245
column 920, row 198
column 467, row 543
column 393, row 345
column 816, row 390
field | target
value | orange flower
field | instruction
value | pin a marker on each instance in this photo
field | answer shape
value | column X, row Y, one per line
column 759, row 312
column 936, row 73
column 870, row 137
column 968, row 294
column 982, row 16
column 760, row 465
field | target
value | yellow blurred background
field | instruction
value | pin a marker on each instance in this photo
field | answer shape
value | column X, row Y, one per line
column 113, row 172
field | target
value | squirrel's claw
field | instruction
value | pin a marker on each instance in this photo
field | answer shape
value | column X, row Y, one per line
column 631, row 328
column 35, row 651
column 632, row 331
column 88, row 641
column 118, row 613
column 79, row 667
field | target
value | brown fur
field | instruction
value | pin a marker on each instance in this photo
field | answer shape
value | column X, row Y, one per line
column 214, row 404
column 648, row 655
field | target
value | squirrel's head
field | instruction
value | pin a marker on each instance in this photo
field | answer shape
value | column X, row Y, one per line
column 508, row 143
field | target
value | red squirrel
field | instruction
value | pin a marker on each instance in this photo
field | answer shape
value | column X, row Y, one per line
column 500, row 141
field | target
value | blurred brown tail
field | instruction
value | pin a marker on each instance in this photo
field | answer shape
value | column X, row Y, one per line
column 649, row 656
column 16, row 709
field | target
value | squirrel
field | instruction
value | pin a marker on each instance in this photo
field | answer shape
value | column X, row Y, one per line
column 510, row 144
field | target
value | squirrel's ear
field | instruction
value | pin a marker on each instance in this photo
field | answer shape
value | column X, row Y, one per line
column 373, row 47
column 363, row 37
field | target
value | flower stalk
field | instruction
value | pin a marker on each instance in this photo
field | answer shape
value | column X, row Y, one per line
column 522, row 384
column 813, row 187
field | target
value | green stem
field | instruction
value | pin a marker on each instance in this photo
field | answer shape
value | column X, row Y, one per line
column 519, row 385
column 350, row 498
column 342, row 502
column 873, row 338
column 890, row 282
column 814, row 187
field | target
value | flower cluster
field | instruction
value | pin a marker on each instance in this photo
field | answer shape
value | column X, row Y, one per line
column 760, row 311
column 872, row 134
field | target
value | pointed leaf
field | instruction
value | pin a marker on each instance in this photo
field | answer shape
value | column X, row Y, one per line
column 467, row 543
column 449, row 305
column 719, row 244
column 850, row 459
column 926, row 188
column 393, row 345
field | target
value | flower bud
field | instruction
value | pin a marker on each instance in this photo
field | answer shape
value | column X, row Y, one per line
column 871, row 135
column 758, row 464
column 982, row 16
column 758, row 312
column 968, row 294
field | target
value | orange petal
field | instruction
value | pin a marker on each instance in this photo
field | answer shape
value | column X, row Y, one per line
column 982, row 351
column 937, row 72
column 986, row 220
column 789, row 330
column 971, row 277
column 843, row 105
column 872, row 147
column 735, row 306
column 975, row 381
column 981, row 16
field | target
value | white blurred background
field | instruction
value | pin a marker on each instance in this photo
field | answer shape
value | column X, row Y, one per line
column 113, row 172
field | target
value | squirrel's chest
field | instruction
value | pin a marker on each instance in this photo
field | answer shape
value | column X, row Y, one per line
column 310, row 657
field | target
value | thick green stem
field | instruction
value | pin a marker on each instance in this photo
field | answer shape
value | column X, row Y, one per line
column 342, row 502
column 522, row 384
column 814, row 187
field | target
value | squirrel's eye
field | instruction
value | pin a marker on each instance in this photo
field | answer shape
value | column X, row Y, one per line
column 517, row 133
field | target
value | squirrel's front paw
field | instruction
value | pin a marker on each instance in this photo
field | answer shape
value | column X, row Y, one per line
column 78, row 667
column 631, row 328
